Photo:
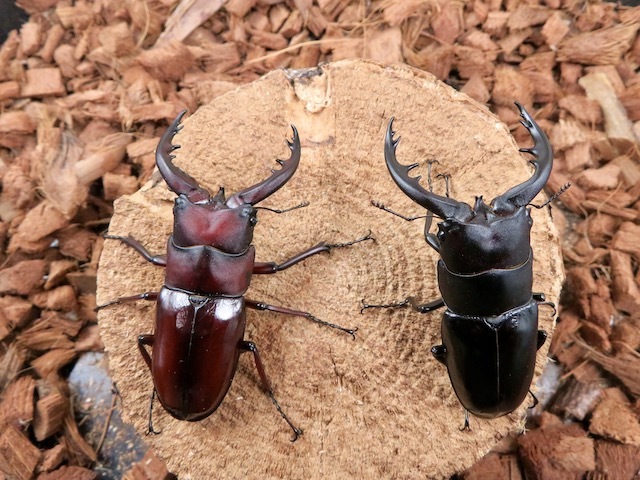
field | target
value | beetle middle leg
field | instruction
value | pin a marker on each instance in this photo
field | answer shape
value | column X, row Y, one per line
column 251, row 347
column 297, row 313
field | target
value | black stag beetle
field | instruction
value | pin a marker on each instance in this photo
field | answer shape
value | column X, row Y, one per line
column 490, row 330
column 200, row 310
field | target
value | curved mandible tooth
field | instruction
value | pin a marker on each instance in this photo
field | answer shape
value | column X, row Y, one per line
column 262, row 190
column 177, row 180
column 443, row 207
column 523, row 194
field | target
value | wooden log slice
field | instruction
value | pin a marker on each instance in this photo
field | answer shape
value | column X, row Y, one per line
column 378, row 406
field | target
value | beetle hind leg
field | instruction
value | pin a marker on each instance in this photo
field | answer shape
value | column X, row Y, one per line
column 251, row 347
column 150, row 429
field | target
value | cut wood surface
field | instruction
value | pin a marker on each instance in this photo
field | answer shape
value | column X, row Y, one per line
column 378, row 406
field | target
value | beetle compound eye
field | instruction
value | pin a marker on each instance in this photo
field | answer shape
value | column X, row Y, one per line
column 253, row 220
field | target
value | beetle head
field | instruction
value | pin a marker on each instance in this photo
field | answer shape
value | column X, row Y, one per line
column 478, row 238
column 202, row 219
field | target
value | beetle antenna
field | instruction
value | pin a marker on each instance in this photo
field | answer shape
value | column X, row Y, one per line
column 275, row 210
column 381, row 206
column 429, row 179
column 447, row 179
column 563, row 189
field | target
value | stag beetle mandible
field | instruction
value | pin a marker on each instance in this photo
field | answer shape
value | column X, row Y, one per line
column 490, row 330
column 200, row 310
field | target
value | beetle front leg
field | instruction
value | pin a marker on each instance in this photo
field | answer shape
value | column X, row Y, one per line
column 159, row 260
column 272, row 267
column 297, row 313
column 251, row 347
column 150, row 296
column 409, row 301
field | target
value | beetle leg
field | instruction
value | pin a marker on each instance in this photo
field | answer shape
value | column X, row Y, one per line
column 297, row 313
column 439, row 352
column 542, row 337
column 411, row 301
column 426, row 307
column 272, row 267
column 403, row 303
column 466, row 427
column 150, row 429
column 540, row 298
column 152, row 296
column 145, row 339
column 535, row 400
column 160, row 260
column 251, row 347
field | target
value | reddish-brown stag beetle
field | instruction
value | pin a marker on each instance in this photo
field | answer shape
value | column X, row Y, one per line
column 200, row 310
column 490, row 330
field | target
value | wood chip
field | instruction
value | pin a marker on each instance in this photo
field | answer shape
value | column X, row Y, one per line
column 600, row 47
column 615, row 460
column 604, row 178
column 52, row 458
column 23, row 278
column 576, row 399
column 615, row 420
column 70, row 473
column 617, row 124
column 626, row 239
column 43, row 82
column 557, row 453
column 49, row 415
column 18, row 456
column 626, row 294
column 17, row 406
column 149, row 468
